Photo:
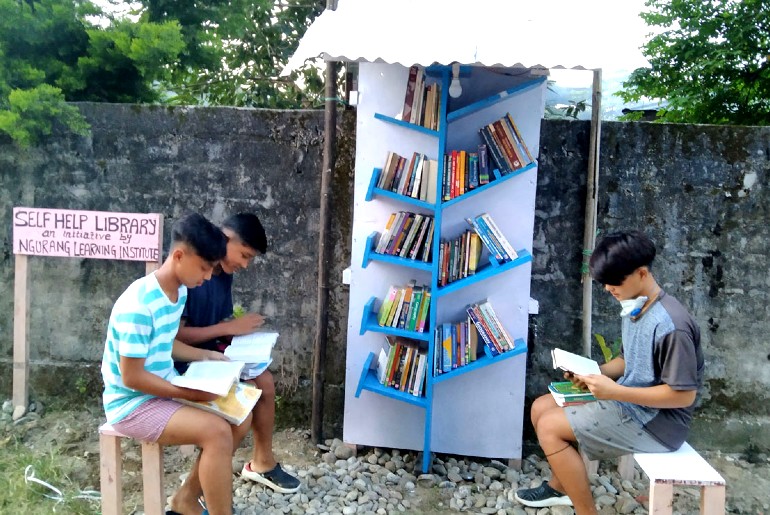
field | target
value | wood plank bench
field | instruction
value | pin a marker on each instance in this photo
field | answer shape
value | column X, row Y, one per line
column 111, row 469
column 666, row 469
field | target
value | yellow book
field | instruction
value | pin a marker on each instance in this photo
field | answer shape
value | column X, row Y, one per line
column 233, row 407
column 475, row 253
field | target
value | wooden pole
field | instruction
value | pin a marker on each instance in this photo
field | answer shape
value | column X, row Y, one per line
column 322, row 315
column 592, row 187
column 20, row 337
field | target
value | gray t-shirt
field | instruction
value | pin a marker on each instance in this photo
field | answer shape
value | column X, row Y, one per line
column 662, row 346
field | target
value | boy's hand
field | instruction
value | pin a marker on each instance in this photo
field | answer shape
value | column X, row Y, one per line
column 196, row 395
column 212, row 355
column 576, row 380
column 601, row 386
column 246, row 324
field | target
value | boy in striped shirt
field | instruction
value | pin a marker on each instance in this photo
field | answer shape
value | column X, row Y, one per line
column 138, row 364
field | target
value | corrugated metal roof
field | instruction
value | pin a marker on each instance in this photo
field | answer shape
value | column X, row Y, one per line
column 541, row 33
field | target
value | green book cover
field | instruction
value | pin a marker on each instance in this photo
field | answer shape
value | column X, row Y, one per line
column 569, row 391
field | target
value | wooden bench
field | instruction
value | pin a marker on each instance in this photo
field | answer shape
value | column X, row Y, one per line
column 111, row 469
column 666, row 469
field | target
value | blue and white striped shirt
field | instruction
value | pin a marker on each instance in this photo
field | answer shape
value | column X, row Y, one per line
column 143, row 324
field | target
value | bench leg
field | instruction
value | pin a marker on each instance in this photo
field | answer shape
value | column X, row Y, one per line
column 152, row 479
column 712, row 500
column 661, row 498
column 110, row 470
column 626, row 466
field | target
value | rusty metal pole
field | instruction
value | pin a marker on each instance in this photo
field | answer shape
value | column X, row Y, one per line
column 322, row 312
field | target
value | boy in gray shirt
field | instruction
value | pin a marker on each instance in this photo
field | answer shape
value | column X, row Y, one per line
column 645, row 396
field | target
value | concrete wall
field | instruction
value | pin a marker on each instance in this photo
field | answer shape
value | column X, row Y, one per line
column 700, row 192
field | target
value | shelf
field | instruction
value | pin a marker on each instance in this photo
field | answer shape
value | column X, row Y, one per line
column 374, row 190
column 370, row 382
column 494, row 99
column 371, row 255
column 520, row 347
column 406, row 125
column 498, row 179
column 369, row 323
column 488, row 271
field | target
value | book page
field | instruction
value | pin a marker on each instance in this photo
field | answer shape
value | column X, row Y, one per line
column 574, row 363
column 252, row 348
column 210, row 376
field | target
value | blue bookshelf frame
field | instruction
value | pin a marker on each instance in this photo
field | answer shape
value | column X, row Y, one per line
column 481, row 189
column 486, row 359
column 369, row 323
column 406, row 125
column 373, row 191
column 492, row 269
column 369, row 381
column 494, row 99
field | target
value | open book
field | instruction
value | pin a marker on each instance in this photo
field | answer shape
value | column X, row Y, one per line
column 210, row 376
column 233, row 407
column 574, row 363
column 255, row 350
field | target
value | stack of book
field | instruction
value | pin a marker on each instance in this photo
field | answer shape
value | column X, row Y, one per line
column 497, row 245
column 464, row 171
column 406, row 307
column 456, row 345
column 459, row 258
column 489, row 328
column 507, row 148
column 407, row 235
column 421, row 101
column 402, row 365
column 415, row 177
column 565, row 393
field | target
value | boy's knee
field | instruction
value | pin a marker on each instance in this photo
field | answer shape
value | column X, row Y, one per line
column 217, row 433
column 266, row 383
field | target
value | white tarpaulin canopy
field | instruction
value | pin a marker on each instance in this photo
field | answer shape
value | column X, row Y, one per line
column 585, row 34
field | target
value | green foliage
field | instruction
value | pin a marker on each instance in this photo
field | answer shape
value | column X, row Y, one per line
column 50, row 53
column 609, row 351
column 238, row 311
column 236, row 49
column 710, row 62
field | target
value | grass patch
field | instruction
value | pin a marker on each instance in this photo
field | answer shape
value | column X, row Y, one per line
column 55, row 468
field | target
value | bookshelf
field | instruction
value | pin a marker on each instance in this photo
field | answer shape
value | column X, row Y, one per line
column 476, row 409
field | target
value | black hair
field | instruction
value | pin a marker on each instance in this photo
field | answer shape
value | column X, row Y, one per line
column 249, row 229
column 205, row 238
column 618, row 254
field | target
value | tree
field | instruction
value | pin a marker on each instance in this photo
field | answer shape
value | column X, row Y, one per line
column 50, row 54
column 710, row 61
column 236, row 49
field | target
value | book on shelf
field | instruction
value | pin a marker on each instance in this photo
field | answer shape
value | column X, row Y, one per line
column 507, row 148
column 566, row 393
column 234, row 407
column 457, row 345
column 210, row 376
column 254, row 350
column 490, row 329
column 574, row 363
column 403, row 236
column 401, row 365
column 492, row 237
column 405, row 307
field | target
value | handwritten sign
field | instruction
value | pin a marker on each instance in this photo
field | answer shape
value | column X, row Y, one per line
column 86, row 234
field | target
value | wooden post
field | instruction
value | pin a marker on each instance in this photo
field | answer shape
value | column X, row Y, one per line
column 110, row 471
column 322, row 315
column 592, row 187
column 20, row 335
column 152, row 478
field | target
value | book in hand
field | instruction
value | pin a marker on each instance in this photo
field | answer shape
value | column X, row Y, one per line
column 574, row 363
column 566, row 393
column 254, row 350
column 210, row 376
column 235, row 406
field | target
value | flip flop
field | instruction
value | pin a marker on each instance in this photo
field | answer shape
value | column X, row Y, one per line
column 172, row 512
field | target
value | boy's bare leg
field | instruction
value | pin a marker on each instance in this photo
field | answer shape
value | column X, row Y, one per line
column 212, row 471
column 262, row 424
column 569, row 473
column 541, row 405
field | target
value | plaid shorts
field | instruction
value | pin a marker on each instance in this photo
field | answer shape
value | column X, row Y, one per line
column 148, row 420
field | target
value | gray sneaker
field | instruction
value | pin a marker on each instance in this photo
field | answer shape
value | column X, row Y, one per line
column 277, row 479
column 542, row 497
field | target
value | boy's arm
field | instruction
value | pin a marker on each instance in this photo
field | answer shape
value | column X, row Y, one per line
column 183, row 352
column 245, row 324
column 136, row 377
column 614, row 368
column 660, row 396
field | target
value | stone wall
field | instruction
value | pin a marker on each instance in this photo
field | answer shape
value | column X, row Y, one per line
column 700, row 192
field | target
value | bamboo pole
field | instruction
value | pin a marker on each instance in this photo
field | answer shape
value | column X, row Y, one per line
column 592, row 187
column 322, row 313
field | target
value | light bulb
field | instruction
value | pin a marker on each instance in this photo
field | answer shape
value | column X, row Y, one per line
column 455, row 89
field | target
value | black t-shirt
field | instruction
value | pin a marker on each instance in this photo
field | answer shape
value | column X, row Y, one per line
column 207, row 305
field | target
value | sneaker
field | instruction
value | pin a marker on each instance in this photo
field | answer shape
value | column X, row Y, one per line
column 542, row 497
column 277, row 479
